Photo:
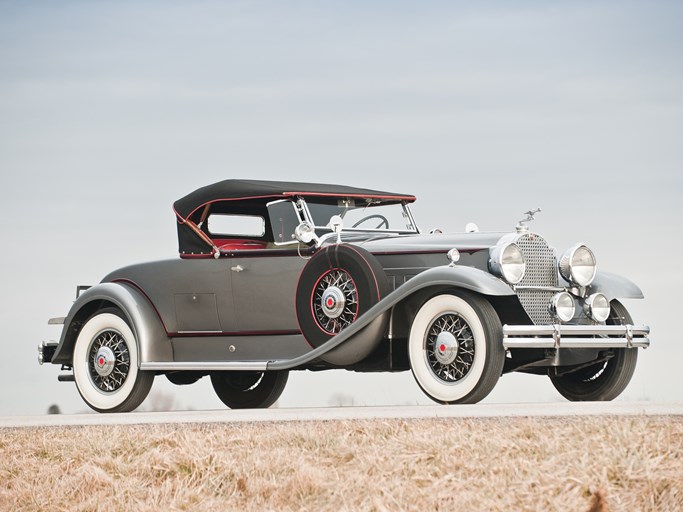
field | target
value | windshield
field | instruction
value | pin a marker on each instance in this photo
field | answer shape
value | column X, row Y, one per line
column 361, row 216
column 357, row 216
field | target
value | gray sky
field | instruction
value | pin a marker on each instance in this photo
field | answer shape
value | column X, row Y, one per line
column 109, row 111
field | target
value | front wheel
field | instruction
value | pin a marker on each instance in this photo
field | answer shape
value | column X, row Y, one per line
column 455, row 348
column 249, row 390
column 605, row 380
column 105, row 364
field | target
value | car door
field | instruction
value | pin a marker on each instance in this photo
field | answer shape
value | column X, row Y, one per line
column 264, row 288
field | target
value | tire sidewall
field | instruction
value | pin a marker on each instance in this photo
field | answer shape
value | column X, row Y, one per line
column 264, row 393
column 616, row 372
column 91, row 394
column 432, row 385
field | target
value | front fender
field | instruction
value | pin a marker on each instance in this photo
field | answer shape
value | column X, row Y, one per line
column 153, row 341
column 615, row 287
column 469, row 278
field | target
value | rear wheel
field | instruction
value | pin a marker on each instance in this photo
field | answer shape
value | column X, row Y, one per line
column 455, row 348
column 249, row 390
column 106, row 366
column 605, row 380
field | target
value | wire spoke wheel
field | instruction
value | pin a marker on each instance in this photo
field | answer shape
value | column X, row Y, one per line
column 109, row 360
column 455, row 348
column 449, row 347
column 106, row 364
column 335, row 301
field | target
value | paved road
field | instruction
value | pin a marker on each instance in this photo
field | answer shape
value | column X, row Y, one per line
column 351, row 413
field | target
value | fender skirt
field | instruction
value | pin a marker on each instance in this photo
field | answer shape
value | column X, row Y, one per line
column 469, row 278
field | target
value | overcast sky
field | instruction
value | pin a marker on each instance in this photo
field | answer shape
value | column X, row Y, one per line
column 109, row 111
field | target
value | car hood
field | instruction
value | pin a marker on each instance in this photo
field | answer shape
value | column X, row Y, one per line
column 464, row 242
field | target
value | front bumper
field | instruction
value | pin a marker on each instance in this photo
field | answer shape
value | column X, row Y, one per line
column 576, row 336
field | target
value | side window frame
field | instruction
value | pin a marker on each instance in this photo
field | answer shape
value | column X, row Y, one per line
column 217, row 232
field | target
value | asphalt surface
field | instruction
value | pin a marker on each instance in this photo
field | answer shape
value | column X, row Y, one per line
column 351, row 413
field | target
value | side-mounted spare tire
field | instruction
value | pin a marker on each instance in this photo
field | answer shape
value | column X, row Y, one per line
column 339, row 284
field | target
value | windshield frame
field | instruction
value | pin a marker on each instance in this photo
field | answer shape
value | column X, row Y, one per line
column 371, row 204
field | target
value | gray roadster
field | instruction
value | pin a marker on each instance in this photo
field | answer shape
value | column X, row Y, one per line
column 276, row 276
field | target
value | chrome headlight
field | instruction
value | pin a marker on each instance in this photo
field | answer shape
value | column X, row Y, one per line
column 507, row 261
column 597, row 307
column 562, row 306
column 578, row 266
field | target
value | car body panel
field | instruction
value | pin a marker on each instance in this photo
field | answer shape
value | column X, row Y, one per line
column 190, row 295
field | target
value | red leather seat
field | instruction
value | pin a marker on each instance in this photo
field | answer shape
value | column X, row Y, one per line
column 239, row 244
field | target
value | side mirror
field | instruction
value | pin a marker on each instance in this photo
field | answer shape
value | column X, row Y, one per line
column 305, row 233
column 337, row 224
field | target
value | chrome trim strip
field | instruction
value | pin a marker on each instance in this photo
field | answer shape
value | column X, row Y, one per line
column 543, row 288
column 56, row 321
column 409, row 269
column 575, row 336
column 211, row 366
column 197, row 333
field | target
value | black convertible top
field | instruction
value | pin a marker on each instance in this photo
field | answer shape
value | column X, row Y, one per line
column 253, row 189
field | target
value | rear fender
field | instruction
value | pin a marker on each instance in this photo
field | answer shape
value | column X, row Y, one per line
column 153, row 341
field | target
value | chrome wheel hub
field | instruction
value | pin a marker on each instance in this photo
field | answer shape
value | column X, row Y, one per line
column 445, row 347
column 333, row 302
column 104, row 361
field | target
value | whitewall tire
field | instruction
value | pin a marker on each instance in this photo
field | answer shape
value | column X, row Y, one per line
column 455, row 348
column 106, row 364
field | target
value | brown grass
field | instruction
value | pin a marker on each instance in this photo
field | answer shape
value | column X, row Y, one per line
column 578, row 464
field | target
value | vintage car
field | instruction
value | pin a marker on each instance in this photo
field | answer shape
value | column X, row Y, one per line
column 277, row 276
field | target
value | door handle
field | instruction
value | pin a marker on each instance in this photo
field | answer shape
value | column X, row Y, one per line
column 237, row 268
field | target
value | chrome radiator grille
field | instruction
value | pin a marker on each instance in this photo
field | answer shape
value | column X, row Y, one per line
column 541, row 270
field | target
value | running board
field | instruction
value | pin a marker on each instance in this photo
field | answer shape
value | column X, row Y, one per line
column 208, row 366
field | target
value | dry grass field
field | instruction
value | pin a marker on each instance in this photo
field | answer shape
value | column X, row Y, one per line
column 574, row 464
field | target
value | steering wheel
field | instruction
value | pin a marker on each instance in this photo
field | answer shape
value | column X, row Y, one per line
column 383, row 221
